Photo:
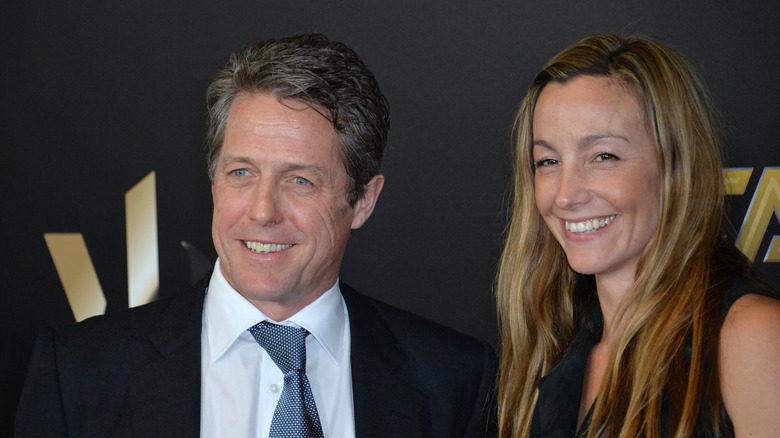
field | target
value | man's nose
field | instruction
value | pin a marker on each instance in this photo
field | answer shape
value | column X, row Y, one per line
column 265, row 203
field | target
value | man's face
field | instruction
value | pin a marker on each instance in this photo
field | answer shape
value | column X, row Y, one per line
column 281, row 217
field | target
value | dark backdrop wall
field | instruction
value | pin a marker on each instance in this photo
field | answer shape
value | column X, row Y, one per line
column 97, row 95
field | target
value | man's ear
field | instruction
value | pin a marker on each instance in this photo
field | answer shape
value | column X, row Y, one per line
column 365, row 205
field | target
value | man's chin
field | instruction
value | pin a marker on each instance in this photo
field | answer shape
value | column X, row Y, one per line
column 277, row 304
column 267, row 293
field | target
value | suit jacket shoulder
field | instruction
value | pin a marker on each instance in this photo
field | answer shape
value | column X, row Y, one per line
column 135, row 372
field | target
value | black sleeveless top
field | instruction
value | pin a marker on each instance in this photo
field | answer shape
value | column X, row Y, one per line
column 560, row 391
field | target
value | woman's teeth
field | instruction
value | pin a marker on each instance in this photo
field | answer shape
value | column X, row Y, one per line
column 589, row 225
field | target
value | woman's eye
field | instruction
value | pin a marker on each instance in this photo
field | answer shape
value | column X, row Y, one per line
column 301, row 181
column 606, row 156
column 545, row 162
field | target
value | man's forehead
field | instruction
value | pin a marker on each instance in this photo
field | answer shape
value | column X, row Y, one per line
column 295, row 103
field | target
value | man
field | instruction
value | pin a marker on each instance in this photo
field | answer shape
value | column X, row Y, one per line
column 297, row 128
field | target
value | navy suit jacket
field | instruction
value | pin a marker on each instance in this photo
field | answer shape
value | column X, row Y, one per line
column 137, row 373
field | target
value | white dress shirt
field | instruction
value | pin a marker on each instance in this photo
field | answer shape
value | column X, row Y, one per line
column 241, row 384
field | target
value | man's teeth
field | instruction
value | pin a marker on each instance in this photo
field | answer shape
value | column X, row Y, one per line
column 265, row 248
column 589, row 225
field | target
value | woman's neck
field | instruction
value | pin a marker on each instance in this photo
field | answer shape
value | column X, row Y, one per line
column 612, row 293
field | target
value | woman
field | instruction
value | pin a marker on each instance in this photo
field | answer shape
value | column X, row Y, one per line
column 623, row 312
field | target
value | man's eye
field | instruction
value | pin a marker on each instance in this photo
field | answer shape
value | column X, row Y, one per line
column 239, row 172
column 301, row 181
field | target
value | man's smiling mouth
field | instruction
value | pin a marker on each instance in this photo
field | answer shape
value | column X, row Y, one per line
column 265, row 248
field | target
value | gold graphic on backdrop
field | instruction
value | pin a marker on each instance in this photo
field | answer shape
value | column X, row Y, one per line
column 737, row 179
column 77, row 273
column 764, row 205
column 143, row 272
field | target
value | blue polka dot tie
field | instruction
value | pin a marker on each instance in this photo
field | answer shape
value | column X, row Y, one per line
column 296, row 414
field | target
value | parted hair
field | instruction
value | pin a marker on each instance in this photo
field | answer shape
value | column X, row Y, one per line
column 674, row 301
column 326, row 75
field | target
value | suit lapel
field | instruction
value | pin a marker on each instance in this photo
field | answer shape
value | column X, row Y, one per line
column 165, row 395
column 385, row 406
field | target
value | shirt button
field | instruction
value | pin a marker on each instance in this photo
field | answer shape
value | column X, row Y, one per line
column 274, row 388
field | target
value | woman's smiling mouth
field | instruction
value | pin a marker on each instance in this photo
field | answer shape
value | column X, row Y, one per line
column 588, row 226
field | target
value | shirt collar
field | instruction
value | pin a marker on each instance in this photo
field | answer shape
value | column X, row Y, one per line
column 228, row 315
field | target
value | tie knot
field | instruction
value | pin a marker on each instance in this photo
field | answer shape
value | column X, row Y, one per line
column 286, row 345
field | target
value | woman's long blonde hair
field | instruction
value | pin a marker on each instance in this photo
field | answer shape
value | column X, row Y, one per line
column 669, row 306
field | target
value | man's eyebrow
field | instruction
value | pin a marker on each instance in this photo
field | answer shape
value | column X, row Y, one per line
column 231, row 159
column 310, row 167
column 292, row 166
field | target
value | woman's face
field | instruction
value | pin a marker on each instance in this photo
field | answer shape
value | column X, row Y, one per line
column 597, row 181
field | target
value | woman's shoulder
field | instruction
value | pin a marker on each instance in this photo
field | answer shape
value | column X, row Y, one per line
column 749, row 355
column 752, row 314
column 750, row 310
column 744, row 287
